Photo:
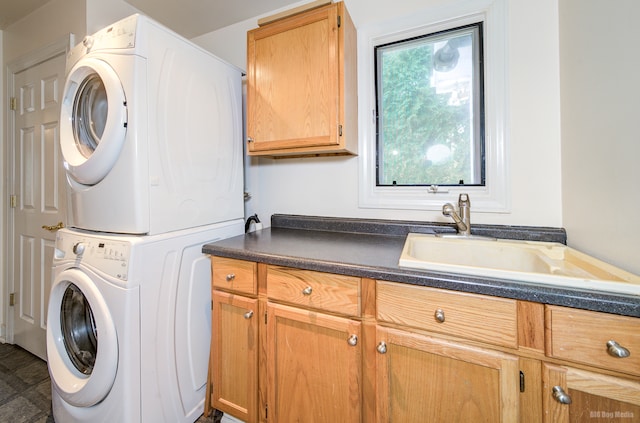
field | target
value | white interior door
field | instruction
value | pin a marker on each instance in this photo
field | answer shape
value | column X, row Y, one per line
column 39, row 195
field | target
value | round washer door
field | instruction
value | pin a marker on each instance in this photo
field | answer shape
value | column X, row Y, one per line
column 93, row 121
column 82, row 344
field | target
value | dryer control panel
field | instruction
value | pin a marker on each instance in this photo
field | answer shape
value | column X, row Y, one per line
column 109, row 255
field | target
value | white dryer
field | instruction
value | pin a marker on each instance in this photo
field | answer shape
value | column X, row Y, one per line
column 129, row 325
column 150, row 132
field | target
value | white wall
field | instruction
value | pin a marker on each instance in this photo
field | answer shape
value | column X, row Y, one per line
column 589, row 189
column 44, row 26
column 600, row 136
column 329, row 186
column 101, row 13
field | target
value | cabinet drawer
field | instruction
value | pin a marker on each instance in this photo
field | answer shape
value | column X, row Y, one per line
column 234, row 275
column 583, row 336
column 471, row 316
column 322, row 291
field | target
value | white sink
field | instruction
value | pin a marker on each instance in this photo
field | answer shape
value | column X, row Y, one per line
column 526, row 261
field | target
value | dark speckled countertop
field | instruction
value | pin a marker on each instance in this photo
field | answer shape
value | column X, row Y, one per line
column 371, row 249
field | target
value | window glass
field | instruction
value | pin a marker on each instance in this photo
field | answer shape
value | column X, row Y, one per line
column 430, row 110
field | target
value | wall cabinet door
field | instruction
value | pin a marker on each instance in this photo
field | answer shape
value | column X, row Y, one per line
column 579, row 396
column 297, row 74
column 423, row 379
column 234, row 371
column 314, row 366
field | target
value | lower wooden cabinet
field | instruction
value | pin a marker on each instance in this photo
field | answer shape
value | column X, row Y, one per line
column 292, row 345
column 234, row 352
column 579, row 396
column 424, row 379
column 314, row 366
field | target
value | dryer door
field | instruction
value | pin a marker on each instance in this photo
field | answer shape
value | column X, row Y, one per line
column 82, row 344
column 93, row 121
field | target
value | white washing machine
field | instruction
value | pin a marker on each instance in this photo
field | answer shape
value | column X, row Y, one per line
column 129, row 325
column 150, row 132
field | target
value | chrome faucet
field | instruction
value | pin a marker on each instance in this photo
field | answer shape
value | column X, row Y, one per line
column 462, row 220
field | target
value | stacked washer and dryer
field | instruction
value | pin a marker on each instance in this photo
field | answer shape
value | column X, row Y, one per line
column 151, row 137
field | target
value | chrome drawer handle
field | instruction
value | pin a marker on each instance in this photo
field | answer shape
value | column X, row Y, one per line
column 439, row 315
column 248, row 314
column 307, row 291
column 353, row 340
column 560, row 395
column 230, row 277
column 616, row 350
column 382, row 347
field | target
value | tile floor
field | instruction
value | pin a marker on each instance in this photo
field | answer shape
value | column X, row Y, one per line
column 25, row 388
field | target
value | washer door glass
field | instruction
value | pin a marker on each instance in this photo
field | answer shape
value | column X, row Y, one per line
column 82, row 342
column 78, row 329
column 93, row 121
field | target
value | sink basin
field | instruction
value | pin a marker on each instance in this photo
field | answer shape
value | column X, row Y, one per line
column 525, row 261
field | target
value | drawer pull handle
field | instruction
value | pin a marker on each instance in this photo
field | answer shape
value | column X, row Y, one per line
column 248, row 314
column 616, row 350
column 307, row 291
column 353, row 340
column 382, row 347
column 230, row 277
column 560, row 395
column 439, row 315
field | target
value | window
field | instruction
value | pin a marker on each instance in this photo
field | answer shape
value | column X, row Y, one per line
column 408, row 159
column 430, row 109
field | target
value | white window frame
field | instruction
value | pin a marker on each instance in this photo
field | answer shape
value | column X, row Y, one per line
column 494, row 195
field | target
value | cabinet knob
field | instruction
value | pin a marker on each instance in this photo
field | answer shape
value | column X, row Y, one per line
column 249, row 139
column 230, row 277
column 616, row 350
column 560, row 395
column 248, row 314
column 382, row 347
column 307, row 291
column 439, row 315
column 353, row 340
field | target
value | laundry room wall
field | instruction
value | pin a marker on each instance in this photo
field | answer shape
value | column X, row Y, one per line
column 596, row 157
column 47, row 24
column 329, row 186
column 102, row 13
column 600, row 142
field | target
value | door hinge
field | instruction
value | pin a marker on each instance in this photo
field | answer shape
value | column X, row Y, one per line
column 13, row 104
column 265, row 317
column 12, row 299
column 339, row 21
column 13, row 201
column 339, row 130
column 521, row 381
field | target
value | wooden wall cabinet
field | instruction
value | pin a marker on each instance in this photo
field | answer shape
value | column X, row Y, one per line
column 299, row 345
column 302, row 85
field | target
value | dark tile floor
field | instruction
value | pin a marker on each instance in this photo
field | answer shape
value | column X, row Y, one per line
column 25, row 388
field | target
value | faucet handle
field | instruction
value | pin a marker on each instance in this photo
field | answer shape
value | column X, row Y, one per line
column 449, row 210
